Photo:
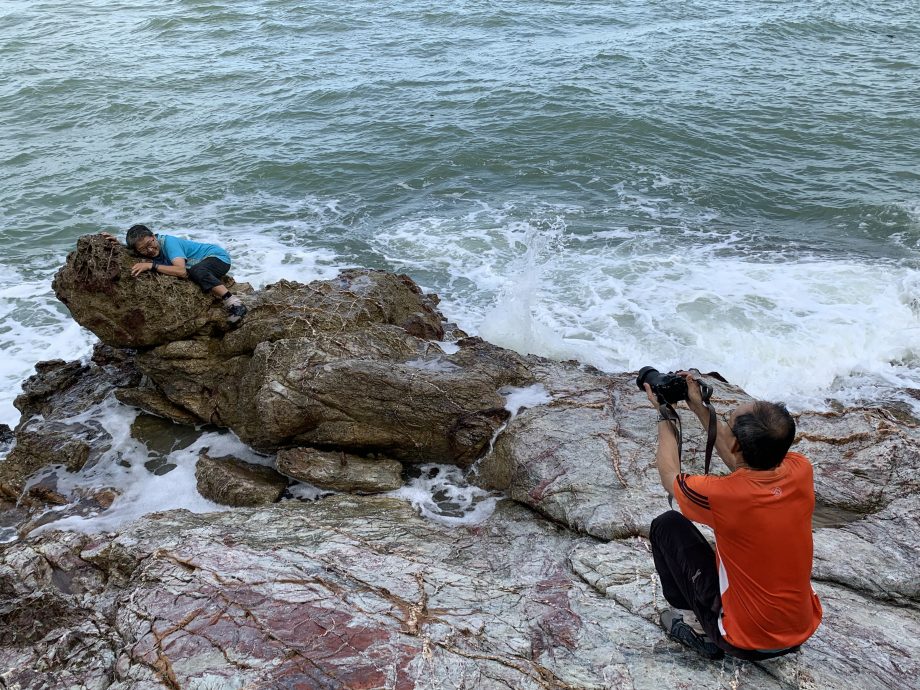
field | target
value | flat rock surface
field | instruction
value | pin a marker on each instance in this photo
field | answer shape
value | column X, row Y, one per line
column 347, row 592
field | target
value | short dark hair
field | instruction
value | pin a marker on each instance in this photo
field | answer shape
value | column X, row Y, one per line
column 764, row 434
column 135, row 234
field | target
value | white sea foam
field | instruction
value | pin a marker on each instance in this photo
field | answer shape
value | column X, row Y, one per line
column 33, row 326
column 308, row 492
column 799, row 328
column 516, row 399
column 442, row 494
column 123, row 469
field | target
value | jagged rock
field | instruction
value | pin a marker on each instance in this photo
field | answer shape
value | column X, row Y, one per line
column 586, row 459
column 233, row 482
column 354, row 299
column 96, row 285
column 42, row 390
column 55, row 444
column 50, row 431
column 339, row 471
column 6, row 437
column 408, row 400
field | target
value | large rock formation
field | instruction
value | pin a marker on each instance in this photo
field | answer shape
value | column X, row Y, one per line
column 359, row 591
column 346, row 363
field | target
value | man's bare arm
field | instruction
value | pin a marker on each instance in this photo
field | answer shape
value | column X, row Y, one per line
column 724, row 438
column 177, row 269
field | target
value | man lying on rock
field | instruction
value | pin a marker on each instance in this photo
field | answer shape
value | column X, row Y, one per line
column 753, row 595
column 203, row 264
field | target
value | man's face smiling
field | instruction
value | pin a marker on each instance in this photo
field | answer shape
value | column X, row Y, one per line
column 147, row 246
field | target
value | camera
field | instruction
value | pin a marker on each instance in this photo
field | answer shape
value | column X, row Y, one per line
column 669, row 387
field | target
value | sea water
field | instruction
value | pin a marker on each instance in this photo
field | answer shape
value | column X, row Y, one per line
column 732, row 187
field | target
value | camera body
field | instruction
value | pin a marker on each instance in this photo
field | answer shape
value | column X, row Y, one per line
column 669, row 387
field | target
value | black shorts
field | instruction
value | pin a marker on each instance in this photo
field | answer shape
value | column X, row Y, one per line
column 208, row 272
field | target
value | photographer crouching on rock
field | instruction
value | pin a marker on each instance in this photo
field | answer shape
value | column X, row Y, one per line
column 752, row 595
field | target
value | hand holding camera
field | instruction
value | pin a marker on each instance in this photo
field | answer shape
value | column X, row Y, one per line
column 668, row 390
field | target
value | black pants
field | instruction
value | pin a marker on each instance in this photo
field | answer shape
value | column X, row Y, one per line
column 208, row 272
column 686, row 565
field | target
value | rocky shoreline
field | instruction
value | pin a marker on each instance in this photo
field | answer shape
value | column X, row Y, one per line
column 346, row 385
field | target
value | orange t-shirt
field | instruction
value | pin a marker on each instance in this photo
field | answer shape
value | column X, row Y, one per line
column 762, row 523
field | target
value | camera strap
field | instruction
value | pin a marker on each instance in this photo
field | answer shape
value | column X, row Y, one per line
column 706, row 390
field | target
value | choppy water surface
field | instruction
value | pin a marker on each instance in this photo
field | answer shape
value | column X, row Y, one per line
column 722, row 185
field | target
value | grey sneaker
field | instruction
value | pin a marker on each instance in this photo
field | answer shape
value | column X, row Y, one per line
column 677, row 629
column 235, row 313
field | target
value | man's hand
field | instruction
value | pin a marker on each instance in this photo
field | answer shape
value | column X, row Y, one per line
column 110, row 238
column 652, row 398
column 141, row 267
column 694, row 394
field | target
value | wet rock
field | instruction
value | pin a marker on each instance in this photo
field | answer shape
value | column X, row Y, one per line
column 152, row 401
column 42, row 392
column 233, row 482
column 339, row 471
column 62, row 389
column 162, row 437
column 45, row 443
column 53, row 429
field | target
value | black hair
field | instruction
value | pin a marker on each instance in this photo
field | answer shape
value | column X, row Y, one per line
column 764, row 434
column 135, row 234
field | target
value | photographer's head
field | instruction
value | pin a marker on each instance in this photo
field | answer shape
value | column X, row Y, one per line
column 764, row 432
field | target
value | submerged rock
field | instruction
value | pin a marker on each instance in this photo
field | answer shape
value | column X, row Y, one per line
column 339, row 471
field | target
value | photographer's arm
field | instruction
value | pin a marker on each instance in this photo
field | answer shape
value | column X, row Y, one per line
column 666, row 458
column 724, row 438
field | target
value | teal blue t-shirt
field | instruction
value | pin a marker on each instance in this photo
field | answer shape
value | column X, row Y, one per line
column 193, row 252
